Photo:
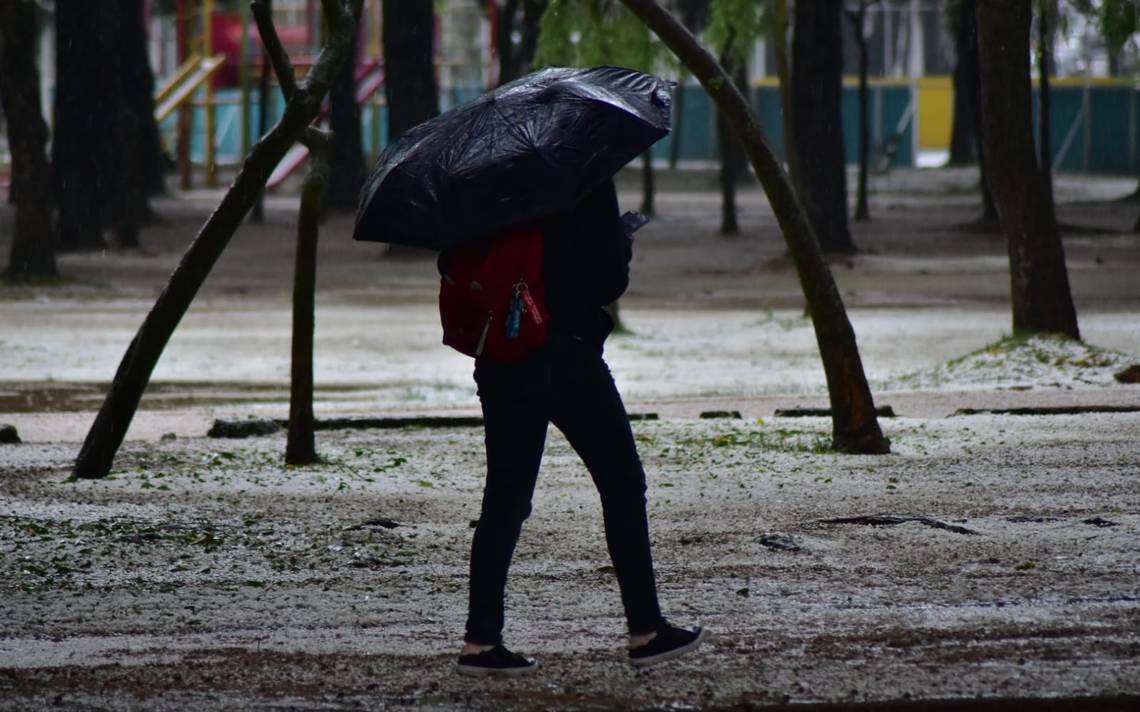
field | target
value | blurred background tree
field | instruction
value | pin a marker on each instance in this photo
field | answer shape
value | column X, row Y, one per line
column 33, row 241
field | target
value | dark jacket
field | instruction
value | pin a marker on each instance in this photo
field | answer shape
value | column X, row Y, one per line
column 586, row 264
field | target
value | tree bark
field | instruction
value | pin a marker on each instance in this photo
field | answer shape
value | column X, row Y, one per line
column 84, row 163
column 817, row 87
column 693, row 16
column 138, row 95
column 1042, row 301
column 504, row 46
column 300, row 447
column 963, row 150
column 346, row 156
column 784, row 72
column 114, row 418
column 1044, row 118
column 731, row 153
column 857, row 17
column 855, row 427
column 678, row 122
column 969, row 65
column 258, row 215
column 648, row 187
column 529, row 32
column 409, row 68
column 33, row 242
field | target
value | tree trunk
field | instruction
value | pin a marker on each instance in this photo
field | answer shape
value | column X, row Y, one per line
column 729, row 225
column 346, row 157
column 678, row 122
column 138, row 95
column 409, row 68
column 300, row 448
column 729, row 148
column 817, row 87
column 1044, row 119
column 1039, row 281
column 648, row 188
column 258, row 214
column 855, row 426
column 784, row 72
column 114, row 418
column 862, row 210
column 504, row 45
column 963, row 150
column 33, row 243
column 693, row 15
column 530, row 30
column 84, row 164
column 969, row 65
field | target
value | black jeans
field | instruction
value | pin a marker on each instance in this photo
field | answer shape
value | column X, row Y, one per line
column 567, row 383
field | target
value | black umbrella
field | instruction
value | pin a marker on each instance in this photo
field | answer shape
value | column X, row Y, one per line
column 529, row 149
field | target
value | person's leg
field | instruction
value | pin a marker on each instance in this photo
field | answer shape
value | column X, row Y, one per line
column 587, row 408
column 515, row 423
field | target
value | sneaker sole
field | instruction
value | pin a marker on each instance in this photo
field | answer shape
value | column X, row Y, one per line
column 670, row 654
column 477, row 671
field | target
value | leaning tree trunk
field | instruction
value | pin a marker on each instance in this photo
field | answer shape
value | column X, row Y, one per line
column 84, row 163
column 302, row 106
column 300, row 446
column 855, row 426
column 33, row 243
column 817, row 90
column 346, row 157
column 409, row 68
column 1042, row 301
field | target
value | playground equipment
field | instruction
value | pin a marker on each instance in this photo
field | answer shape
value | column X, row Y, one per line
column 207, row 106
column 181, row 87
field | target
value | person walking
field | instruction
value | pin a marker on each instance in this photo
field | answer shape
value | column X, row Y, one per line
column 586, row 256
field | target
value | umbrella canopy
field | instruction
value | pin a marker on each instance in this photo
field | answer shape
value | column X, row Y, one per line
column 529, row 149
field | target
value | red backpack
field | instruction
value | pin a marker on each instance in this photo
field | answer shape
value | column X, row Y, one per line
column 492, row 303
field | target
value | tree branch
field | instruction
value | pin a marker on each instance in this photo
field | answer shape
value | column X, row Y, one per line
column 282, row 67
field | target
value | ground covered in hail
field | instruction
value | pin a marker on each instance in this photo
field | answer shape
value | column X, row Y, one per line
column 992, row 554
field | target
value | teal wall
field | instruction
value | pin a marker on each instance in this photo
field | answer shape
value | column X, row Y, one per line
column 1105, row 138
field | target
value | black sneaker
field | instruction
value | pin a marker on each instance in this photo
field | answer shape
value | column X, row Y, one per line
column 496, row 661
column 670, row 642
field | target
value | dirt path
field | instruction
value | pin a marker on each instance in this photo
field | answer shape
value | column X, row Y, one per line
column 999, row 560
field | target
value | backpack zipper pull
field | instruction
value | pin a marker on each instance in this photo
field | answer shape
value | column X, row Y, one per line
column 515, row 310
column 529, row 305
